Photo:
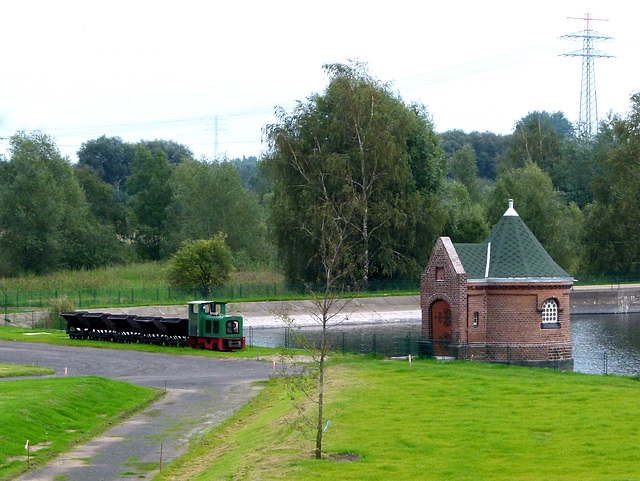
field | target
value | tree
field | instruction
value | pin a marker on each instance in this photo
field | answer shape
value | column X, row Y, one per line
column 151, row 196
column 174, row 151
column 466, row 218
column 110, row 158
column 556, row 224
column 487, row 146
column 536, row 139
column 201, row 264
column 369, row 151
column 45, row 222
column 463, row 168
column 576, row 170
column 102, row 199
column 613, row 241
column 210, row 198
column 330, row 297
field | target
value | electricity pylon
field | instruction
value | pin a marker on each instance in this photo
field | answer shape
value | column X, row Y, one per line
column 588, row 123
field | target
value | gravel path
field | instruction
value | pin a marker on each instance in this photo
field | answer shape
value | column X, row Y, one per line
column 201, row 393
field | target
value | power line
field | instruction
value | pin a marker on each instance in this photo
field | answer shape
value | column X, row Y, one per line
column 77, row 130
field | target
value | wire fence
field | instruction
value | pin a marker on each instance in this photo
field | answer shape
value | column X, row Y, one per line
column 365, row 341
column 405, row 341
column 85, row 298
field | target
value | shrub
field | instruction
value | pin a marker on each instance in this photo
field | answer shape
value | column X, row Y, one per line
column 201, row 264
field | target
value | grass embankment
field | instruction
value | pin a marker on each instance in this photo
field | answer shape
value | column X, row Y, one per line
column 126, row 285
column 146, row 284
column 147, row 275
column 55, row 414
column 438, row 421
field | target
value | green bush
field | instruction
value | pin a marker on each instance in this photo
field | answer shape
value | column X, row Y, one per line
column 201, row 264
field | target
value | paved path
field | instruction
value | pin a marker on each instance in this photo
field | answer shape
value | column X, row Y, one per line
column 201, row 393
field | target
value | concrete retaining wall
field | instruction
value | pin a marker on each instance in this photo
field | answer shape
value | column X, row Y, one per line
column 605, row 300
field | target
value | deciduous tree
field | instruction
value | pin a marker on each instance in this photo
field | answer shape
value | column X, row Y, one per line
column 110, row 158
column 45, row 221
column 556, row 224
column 208, row 197
column 613, row 235
column 358, row 145
column 151, row 196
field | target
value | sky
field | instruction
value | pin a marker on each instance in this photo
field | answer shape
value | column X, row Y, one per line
column 209, row 74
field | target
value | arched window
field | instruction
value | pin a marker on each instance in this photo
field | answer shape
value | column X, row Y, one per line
column 549, row 311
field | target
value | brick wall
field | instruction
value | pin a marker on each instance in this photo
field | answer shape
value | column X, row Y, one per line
column 444, row 264
column 509, row 319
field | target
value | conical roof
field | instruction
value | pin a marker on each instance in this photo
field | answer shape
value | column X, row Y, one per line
column 512, row 252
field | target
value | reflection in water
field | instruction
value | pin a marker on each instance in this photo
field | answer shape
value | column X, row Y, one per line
column 608, row 342
column 601, row 343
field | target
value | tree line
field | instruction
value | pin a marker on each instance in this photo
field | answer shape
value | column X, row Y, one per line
column 120, row 202
column 354, row 162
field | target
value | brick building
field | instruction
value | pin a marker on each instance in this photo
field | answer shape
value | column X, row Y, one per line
column 502, row 300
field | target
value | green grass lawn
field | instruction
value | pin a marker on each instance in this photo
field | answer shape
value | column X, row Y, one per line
column 51, row 336
column 438, row 421
column 62, row 412
column 13, row 370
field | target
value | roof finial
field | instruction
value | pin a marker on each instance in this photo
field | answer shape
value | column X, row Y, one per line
column 511, row 212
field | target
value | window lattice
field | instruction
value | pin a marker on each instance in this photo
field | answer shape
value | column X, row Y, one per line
column 550, row 311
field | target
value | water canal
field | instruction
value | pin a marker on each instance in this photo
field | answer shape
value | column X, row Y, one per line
column 602, row 343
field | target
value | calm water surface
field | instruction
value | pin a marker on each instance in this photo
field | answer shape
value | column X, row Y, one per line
column 601, row 343
column 608, row 342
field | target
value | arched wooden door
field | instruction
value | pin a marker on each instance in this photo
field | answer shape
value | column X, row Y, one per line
column 440, row 327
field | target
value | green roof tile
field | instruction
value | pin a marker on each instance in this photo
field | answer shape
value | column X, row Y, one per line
column 473, row 258
column 514, row 253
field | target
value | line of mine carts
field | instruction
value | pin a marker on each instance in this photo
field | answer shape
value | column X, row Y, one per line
column 206, row 327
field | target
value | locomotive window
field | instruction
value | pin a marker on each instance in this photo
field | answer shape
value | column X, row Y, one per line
column 195, row 308
column 216, row 327
column 233, row 327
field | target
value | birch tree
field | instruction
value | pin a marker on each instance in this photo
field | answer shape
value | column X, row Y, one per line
column 378, row 155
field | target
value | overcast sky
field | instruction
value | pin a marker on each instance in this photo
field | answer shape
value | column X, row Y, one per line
column 174, row 70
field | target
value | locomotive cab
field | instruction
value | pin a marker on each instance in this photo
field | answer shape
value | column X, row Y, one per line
column 211, row 328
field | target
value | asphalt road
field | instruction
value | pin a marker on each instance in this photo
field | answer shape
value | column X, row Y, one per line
column 201, row 393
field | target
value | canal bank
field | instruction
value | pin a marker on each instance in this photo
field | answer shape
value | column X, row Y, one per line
column 612, row 299
column 603, row 299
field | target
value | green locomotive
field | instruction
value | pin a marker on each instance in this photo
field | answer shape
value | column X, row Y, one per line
column 211, row 328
